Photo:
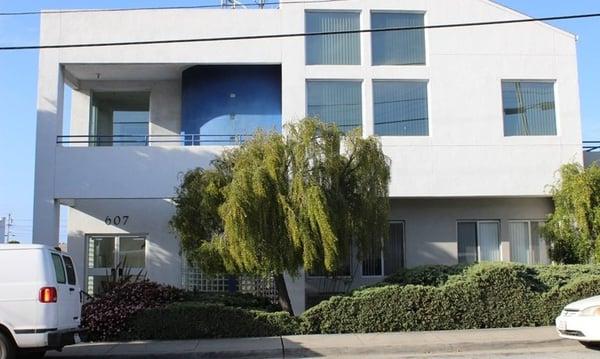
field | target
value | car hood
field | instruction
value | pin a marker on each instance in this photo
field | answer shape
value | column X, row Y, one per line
column 584, row 303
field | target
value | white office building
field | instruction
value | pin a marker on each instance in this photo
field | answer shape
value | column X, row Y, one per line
column 476, row 122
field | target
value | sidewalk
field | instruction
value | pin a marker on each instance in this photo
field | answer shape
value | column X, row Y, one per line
column 399, row 344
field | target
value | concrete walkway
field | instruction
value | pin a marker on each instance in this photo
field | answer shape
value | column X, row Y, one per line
column 339, row 345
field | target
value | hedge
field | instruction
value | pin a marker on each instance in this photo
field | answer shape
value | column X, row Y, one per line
column 482, row 296
column 195, row 320
column 240, row 300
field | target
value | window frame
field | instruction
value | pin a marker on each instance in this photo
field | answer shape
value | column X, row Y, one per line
column 383, row 275
column 478, row 222
column 530, row 256
column 427, row 83
column 351, row 80
column 553, row 82
column 72, row 265
column 359, row 12
column 57, row 260
column 425, row 35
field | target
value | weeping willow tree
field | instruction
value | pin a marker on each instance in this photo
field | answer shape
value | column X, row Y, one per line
column 281, row 202
column 573, row 230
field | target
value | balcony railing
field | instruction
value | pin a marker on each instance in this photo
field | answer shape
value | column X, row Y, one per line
column 591, row 146
column 148, row 140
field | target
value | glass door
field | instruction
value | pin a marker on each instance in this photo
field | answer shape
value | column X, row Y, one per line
column 111, row 258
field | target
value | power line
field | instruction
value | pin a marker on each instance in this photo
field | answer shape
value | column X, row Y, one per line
column 302, row 34
column 71, row 11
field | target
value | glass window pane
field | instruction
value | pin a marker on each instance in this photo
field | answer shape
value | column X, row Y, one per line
column 120, row 118
column 132, row 251
column 101, row 252
column 467, row 242
column 489, row 241
column 529, row 108
column 539, row 247
column 336, row 49
column 398, row 47
column 519, row 242
column 96, row 284
column 70, row 270
column 336, row 102
column 393, row 249
column 400, row 108
column 59, row 270
column 371, row 264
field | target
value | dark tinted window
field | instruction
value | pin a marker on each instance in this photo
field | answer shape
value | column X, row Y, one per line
column 58, row 269
column 70, row 271
column 467, row 242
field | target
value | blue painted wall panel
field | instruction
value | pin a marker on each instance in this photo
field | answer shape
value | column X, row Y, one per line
column 220, row 102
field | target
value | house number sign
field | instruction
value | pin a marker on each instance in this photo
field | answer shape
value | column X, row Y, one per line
column 116, row 220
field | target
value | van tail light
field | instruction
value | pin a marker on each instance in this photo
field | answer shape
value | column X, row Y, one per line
column 48, row 295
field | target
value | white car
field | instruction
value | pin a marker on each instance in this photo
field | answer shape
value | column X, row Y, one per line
column 581, row 321
column 40, row 300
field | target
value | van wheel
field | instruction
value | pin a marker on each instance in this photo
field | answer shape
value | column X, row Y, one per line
column 7, row 348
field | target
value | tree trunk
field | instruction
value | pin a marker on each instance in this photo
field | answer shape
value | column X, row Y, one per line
column 282, row 293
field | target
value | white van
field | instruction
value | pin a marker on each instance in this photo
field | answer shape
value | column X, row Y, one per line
column 40, row 300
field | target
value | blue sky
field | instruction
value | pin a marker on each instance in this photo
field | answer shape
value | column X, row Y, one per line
column 18, row 86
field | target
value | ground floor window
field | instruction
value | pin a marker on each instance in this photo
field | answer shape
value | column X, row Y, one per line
column 111, row 257
column 389, row 258
column 527, row 245
column 478, row 241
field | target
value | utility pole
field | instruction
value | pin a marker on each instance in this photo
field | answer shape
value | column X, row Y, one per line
column 8, row 224
column 3, row 228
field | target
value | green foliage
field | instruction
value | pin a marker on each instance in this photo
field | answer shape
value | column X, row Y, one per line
column 279, row 202
column 434, row 275
column 573, row 229
column 238, row 300
column 192, row 320
column 481, row 296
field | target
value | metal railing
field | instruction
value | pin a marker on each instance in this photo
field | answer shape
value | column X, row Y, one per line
column 147, row 140
column 591, row 146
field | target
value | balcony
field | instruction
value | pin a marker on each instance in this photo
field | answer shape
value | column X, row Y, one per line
column 152, row 140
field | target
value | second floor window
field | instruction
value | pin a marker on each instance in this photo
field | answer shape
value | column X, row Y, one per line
column 120, row 118
column 529, row 108
column 406, row 47
column 336, row 102
column 400, row 108
column 335, row 49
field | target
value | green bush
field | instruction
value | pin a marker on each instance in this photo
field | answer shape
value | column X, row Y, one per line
column 434, row 275
column 481, row 296
column 240, row 300
column 194, row 320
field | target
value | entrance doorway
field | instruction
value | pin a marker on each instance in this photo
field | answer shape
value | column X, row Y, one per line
column 112, row 257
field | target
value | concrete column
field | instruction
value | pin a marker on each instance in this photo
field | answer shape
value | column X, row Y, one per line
column 46, row 209
column 297, row 291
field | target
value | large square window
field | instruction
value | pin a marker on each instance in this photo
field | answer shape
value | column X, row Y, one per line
column 401, row 47
column 334, row 49
column 336, row 102
column 529, row 108
column 478, row 241
column 400, row 108
column 120, row 118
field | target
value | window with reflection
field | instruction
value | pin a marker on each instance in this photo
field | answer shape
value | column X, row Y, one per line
column 529, row 108
column 338, row 102
column 400, row 108
column 402, row 47
column 334, row 49
column 119, row 118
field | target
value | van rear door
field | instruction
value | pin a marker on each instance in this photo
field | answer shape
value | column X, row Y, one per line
column 65, row 294
column 74, row 290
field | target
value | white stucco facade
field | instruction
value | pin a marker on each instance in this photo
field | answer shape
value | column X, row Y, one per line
column 464, row 169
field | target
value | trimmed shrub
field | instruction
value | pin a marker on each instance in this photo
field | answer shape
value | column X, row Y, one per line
column 106, row 316
column 240, row 300
column 434, row 275
column 490, row 295
column 194, row 320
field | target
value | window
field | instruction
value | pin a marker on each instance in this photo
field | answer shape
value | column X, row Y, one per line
column 120, row 118
column 478, row 241
column 398, row 47
column 389, row 259
column 71, row 278
column 336, row 102
column 529, row 108
column 59, row 269
column 527, row 245
column 400, row 108
column 336, row 49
